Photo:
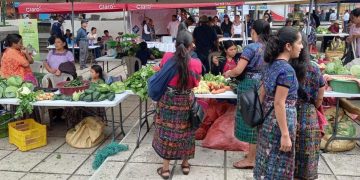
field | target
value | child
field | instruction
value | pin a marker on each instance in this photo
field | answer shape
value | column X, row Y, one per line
column 97, row 75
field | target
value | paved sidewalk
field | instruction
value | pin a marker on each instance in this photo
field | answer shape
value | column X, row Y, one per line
column 57, row 160
column 209, row 164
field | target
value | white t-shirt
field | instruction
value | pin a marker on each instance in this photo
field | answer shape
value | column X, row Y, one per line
column 173, row 28
column 332, row 17
column 346, row 17
column 238, row 29
column 92, row 38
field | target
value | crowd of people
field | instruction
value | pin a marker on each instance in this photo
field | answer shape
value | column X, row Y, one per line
column 84, row 38
column 291, row 89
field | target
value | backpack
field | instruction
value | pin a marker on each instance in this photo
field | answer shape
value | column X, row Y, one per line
column 251, row 108
column 157, row 84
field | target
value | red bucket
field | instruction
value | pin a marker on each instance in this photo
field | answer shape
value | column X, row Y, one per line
column 70, row 90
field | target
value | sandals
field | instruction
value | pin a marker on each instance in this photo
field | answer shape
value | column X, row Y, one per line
column 242, row 167
column 185, row 169
column 161, row 173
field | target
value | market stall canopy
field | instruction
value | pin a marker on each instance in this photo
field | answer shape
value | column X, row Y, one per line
column 140, row 6
column 79, row 7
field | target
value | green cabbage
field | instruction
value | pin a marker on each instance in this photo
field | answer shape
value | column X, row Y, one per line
column 355, row 70
column 1, row 91
column 336, row 67
column 10, row 92
column 28, row 85
column 103, row 88
column 117, row 87
column 14, row 81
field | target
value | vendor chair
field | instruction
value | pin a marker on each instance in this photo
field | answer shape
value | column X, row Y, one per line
column 37, row 66
column 210, row 57
column 50, row 80
column 130, row 64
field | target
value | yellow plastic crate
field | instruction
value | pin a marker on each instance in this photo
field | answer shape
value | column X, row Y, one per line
column 27, row 134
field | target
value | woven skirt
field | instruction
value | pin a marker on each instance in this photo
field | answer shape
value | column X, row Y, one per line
column 174, row 139
column 244, row 132
column 308, row 138
column 271, row 163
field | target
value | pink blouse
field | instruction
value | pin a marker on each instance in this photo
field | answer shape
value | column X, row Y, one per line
column 195, row 68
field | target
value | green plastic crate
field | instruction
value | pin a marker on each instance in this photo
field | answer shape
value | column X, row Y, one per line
column 344, row 86
column 4, row 118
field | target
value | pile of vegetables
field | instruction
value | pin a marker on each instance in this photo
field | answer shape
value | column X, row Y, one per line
column 211, row 77
column 74, row 83
column 15, row 87
column 355, row 70
column 96, row 93
column 42, row 96
column 157, row 53
column 322, row 30
column 336, row 68
column 337, row 45
column 212, row 84
column 26, row 97
column 138, row 81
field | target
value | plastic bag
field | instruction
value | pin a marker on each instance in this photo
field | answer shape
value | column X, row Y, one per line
column 345, row 128
column 221, row 134
column 87, row 134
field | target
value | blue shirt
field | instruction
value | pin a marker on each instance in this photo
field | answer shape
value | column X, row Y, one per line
column 81, row 35
column 56, row 29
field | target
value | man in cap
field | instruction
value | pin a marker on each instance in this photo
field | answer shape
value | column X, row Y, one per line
column 83, row 43
column 205, row 40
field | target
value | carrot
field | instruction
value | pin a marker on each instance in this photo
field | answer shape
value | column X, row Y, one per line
column 228, row 88
column 219, row 91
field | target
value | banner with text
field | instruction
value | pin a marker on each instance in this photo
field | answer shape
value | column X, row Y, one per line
column 28, row 29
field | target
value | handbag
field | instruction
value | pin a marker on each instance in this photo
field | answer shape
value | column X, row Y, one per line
column 194, row 118
column 251, row 108
column 157, row 84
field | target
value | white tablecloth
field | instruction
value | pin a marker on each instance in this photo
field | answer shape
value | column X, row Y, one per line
column 119, row 98
column 107, row 59
column 338, row 35
column 234, row 39
column 165, row 47
column 70, row 47
column 232, row 95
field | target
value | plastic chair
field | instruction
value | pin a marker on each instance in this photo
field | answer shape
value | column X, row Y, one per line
column 50, row 80
column 37, row 66
column 130, row 64
column 211, row 55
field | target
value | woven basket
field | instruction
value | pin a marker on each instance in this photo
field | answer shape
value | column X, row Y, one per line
column 345, row 86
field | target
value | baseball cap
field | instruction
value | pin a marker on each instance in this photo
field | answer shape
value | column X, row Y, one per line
column 84, row 21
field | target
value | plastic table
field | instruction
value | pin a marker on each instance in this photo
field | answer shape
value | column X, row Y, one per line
column 119, row 98
column 333, row 35
column 108, row 59
column 336, row 123
column 76, row 47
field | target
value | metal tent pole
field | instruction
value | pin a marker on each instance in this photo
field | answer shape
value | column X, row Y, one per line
column 338, row 10
column 309, row 17
column 72, row 24
column 244, row 36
